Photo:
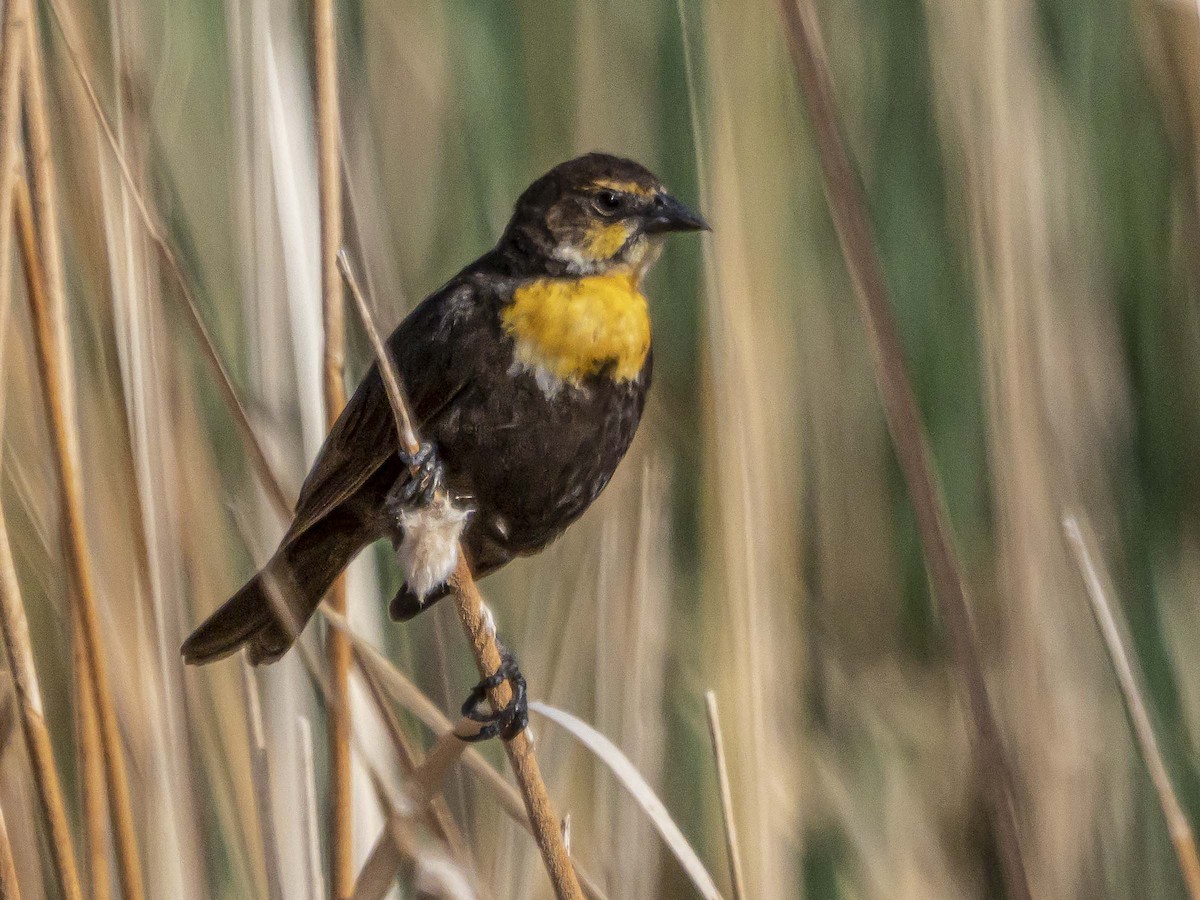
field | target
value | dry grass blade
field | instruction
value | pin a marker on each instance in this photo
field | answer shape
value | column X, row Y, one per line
column 849, row 212
column 487, row 656
column 341, row 848
column 631, row 779
column 1099, row 590
column 260, row 771
column 15, row 632
column 43, row 262
column 731, row 839
column 316, row 880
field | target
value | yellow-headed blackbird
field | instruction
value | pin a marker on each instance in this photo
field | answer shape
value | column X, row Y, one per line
column 526, row 373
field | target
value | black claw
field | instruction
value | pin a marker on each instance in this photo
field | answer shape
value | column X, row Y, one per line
column 423, row 479
column 508, row 722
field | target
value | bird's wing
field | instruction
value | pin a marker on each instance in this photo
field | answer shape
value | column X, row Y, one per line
column 432, row 352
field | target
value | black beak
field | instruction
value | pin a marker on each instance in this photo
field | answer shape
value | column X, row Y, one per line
column 668, row 214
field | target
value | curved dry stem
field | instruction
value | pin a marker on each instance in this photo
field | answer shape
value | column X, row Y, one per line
column 849, row 213
column 469, row 604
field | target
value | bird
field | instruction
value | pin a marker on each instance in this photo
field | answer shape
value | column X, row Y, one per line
column 526, row 373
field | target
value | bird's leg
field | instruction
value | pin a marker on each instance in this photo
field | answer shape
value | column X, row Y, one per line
column 509, row 721
column 424, row 477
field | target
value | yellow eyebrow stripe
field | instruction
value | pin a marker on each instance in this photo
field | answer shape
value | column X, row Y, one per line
column 623, row 187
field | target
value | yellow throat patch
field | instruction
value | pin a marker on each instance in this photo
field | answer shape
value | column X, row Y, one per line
column 569, row 328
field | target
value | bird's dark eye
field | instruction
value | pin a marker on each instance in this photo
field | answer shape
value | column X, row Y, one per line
column 608, row 202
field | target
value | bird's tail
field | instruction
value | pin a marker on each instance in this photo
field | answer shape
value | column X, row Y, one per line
column 272, row 608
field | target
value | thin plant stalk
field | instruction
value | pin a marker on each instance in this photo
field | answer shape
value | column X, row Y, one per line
column 333, row 319
column 1099, row 589
column 53, row 351
column 15, row 632
column 736, row 878
column 852, row 223
column 316, row 879
column 260, row 772
column 482, row 638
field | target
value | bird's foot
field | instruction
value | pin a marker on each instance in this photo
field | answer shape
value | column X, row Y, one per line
column 508, row 722
column 424, row 477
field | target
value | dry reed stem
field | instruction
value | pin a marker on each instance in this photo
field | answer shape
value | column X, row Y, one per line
column 333, row 319
column 15, row 633
column 546, row 831
column 268, row 479
column 49, row 363
column 849, row 212
column 54, row 355
column 736, row 878
column 1099, row 589
column 10, row 889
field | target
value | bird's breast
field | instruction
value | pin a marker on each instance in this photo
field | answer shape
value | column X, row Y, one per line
column 564, row 330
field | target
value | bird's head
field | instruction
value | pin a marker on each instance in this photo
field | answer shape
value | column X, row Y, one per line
column 597, row 214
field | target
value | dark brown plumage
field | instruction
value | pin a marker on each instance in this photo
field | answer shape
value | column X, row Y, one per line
column 529, row 427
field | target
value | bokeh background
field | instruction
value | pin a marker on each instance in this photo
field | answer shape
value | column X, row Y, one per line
column 1031, row 171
